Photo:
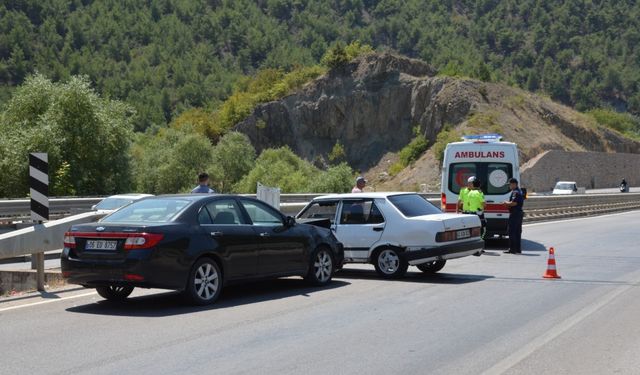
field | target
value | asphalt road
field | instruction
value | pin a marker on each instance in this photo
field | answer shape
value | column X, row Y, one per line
column 493, row 314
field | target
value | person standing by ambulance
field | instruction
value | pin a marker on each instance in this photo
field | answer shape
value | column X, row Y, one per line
column 462, row 197
column 474, row 204
column 515, row 202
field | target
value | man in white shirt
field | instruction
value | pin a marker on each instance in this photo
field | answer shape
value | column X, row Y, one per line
column 360, row 184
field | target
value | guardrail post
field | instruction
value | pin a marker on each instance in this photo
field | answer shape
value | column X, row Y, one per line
column 39, row 261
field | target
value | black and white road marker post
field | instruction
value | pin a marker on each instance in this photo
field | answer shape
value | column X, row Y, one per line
column 39, row 191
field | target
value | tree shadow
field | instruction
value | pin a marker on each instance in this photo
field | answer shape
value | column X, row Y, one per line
column 412, row 277
column 172, row 303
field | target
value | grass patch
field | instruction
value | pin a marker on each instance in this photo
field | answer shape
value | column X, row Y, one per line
column 624, row 123
column 486, row 122
column 446, row 136
column 409, row 154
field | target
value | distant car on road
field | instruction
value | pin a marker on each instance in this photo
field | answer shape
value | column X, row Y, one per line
column 195, row 244
column 114, row 202
column 395, row 230
column 565, row 188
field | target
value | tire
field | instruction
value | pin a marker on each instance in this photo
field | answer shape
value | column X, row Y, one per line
column 432, row 267
column 321, row 267
column 205, row 282
column 390, row 264
column 114, row 293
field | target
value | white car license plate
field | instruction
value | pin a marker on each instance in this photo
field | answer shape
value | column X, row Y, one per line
column 100, row 245
column 466, row 233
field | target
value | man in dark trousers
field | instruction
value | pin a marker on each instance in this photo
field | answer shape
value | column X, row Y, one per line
column 516, row 199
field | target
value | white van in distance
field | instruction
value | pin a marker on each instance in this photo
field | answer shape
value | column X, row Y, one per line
column 493, row 162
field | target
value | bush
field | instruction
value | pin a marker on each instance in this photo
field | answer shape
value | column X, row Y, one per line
column 337, row 179
column 339, row 55
column 622, row 122
column 446, row 136
column 168, row 162
column 337, row 154
column 200, row 121
column 233, row 157
column 267, row 85
column 279, row 168
column 413, row 150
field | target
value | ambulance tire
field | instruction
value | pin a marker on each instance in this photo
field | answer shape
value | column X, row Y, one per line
column 432, row 267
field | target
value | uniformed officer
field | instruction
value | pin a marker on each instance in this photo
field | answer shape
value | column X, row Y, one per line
column 515, row 202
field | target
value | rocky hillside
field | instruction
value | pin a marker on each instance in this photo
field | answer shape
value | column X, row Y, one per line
column 372, row 106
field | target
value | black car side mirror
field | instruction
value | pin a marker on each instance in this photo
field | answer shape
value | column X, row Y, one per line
column 289, row 221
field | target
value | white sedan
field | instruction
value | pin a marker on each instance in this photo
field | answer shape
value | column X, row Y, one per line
column 395, row 230
column 115, row 202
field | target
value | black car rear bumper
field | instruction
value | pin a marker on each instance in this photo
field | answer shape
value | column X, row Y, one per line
column 136, row 271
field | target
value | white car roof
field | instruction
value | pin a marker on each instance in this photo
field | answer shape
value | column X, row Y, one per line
column 565, row 182
column 133, row 196
column 365, row 195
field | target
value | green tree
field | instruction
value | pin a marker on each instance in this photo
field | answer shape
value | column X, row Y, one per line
column 279, row 168
column 233, row 157
column 73, row 124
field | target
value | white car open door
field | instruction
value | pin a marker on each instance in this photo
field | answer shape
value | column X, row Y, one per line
column 359, row 226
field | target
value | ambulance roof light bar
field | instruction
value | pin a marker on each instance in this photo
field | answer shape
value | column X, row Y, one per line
column 482, row 138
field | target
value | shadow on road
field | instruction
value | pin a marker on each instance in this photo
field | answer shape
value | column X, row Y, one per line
column 172, row 303
column 413, row 277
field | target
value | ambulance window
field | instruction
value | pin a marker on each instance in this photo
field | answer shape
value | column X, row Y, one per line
column 498, row 178
column 459, row 173
column 494, row 177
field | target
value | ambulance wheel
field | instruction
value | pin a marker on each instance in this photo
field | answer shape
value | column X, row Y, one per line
column 432, row 267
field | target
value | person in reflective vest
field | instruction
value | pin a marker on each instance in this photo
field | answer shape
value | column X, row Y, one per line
column 462, row 197
column 474, row 204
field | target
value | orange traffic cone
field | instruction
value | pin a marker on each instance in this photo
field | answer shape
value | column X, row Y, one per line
column 551, row 266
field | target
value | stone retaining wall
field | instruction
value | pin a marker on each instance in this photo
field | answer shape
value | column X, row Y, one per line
column 592, row 170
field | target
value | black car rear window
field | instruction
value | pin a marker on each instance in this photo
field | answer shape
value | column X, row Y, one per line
column 412, row 205
column 148, row 211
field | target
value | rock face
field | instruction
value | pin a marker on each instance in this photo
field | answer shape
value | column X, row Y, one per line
column 372, row 105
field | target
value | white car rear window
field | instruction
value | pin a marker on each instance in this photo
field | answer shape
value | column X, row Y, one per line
column 412, row 205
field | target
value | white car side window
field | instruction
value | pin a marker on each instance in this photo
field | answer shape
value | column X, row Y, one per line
column 360, row 212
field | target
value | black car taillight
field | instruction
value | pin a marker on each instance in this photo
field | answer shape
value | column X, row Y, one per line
column 69, row 240
column 142, row 240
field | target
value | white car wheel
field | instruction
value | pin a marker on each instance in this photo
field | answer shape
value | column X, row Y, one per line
column 390, row 264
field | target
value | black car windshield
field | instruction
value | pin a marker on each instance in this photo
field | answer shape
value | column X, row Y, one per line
column 412, row 205
column 148, row 211
column 112, row 203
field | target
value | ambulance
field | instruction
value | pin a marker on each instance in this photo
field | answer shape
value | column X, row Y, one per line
column 490, row 160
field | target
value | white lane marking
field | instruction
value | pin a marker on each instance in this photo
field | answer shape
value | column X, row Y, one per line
column 578, row 219
column 47, row 301
column 554, row 332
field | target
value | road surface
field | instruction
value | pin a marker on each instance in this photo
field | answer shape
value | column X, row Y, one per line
column 493, row 314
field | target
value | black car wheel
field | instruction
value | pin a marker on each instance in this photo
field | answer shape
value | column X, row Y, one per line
column 321, row 268
column 205, row 282
column 432, row 267
column 390, row 264
column 114, row 293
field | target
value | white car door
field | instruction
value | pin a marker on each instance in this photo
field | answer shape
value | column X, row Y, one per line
column 359, row 226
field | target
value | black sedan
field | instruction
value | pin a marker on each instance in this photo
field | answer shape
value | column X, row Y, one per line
column 195, row 244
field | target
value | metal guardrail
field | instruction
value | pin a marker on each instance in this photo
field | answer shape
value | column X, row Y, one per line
column 19, row 209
